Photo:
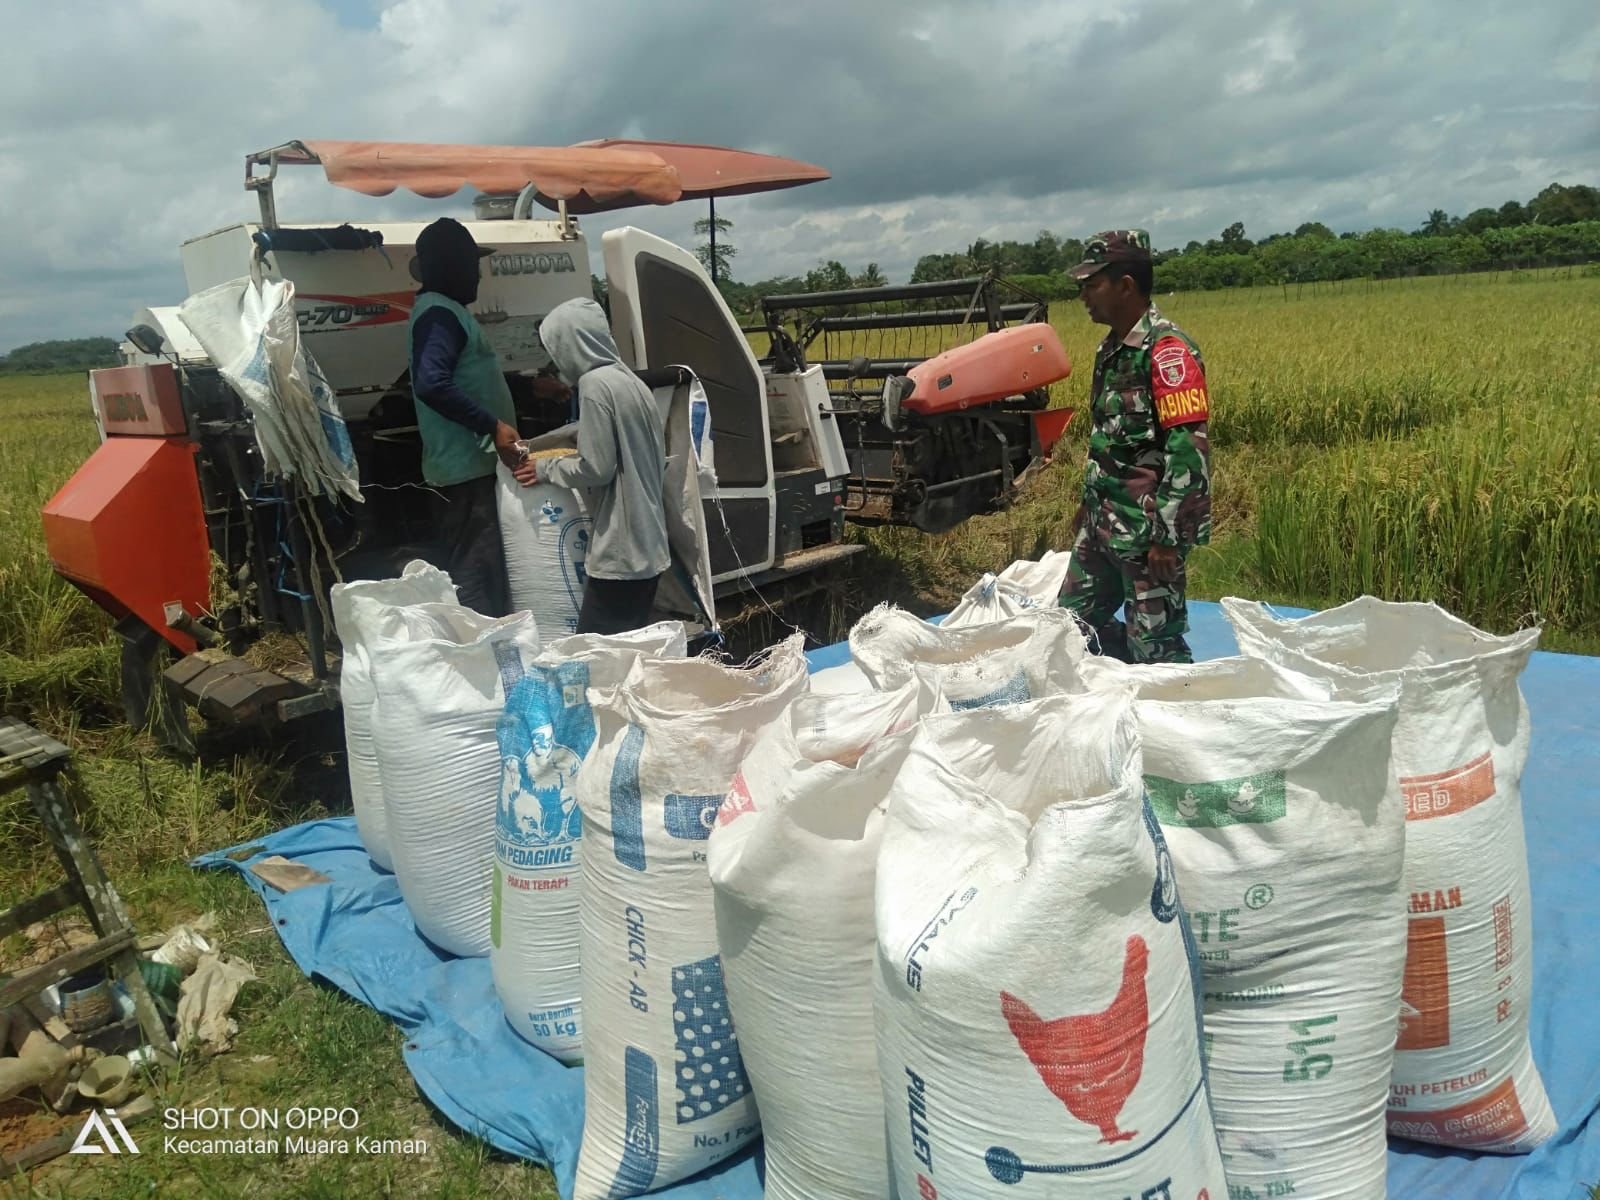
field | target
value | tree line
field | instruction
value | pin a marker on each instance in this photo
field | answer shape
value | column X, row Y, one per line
column 1558, row 227
column 71, row 354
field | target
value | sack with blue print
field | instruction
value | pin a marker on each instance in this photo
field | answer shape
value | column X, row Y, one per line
column 665, row 1091
column 438, row 700
column 545, row 532
column 545, row 733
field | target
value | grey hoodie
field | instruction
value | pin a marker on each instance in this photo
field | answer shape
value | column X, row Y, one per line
column 621, row 445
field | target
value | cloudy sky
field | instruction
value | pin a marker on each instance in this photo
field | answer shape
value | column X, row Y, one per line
column 941, row 120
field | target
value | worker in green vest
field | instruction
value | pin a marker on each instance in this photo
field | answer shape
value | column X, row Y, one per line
column 464, row 413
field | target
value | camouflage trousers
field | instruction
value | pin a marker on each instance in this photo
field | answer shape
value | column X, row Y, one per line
column 1101, row 581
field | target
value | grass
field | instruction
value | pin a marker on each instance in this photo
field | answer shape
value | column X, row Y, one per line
column 300, row 1043
column 1414, row 439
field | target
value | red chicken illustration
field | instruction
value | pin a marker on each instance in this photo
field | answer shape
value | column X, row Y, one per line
column 1092, row 1063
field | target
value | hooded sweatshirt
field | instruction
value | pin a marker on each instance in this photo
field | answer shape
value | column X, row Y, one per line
column 621, row 445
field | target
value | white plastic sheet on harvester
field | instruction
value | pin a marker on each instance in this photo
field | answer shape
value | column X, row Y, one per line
column 249, row 329
column 686, row 587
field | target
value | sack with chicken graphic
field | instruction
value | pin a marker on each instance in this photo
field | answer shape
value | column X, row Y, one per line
column 545, row 733
column 1464, row 1073
column 665, row 1090
column 1288, row 835
column 1037, row 995
column 1026, row 657
column 793, row 860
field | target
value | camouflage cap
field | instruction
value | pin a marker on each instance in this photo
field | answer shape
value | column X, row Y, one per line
column 1112, row 246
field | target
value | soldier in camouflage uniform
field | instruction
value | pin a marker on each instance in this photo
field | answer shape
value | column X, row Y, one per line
column 1147, row 486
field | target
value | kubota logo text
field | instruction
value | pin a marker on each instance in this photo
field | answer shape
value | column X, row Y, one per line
column 531, row 264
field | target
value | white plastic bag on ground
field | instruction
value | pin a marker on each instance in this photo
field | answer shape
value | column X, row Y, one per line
column 1288, row 835
column 360, row 614
column 1024, row 585
column 665, row 1091
column 438, row 702
column 1026, row 657
column 793, row 861
column 1464, row 1073
column 1038, row 1016
column 544, row 531
column 544, row 734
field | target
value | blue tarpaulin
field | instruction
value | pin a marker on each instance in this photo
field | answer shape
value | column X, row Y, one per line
column 356, row 934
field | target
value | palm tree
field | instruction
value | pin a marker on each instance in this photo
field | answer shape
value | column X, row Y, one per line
column 1437, row 224
column 871, row 277
column 715, row 255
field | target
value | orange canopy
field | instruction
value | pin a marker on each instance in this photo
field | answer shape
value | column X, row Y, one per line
column 704, row 171
column 601, row 176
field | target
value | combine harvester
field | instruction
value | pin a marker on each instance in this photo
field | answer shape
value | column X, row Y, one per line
column 176, row 527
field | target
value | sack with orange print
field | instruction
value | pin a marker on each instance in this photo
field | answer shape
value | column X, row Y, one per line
column 1464, row 1073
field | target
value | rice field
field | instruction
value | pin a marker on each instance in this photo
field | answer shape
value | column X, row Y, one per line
column 1411, row 439
column 1424, row 439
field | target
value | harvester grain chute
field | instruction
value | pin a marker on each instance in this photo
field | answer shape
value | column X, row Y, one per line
column 958, row 413
column 178, row 528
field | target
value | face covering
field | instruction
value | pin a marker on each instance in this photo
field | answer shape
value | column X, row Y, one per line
column 447, row 262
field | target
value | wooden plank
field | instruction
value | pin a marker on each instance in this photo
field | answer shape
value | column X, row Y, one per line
column 19, row 739
column 26, row 755
column 45, row 904
column 38, row 1154
column 50, row 1022
column 31, row 982
column 105, row 908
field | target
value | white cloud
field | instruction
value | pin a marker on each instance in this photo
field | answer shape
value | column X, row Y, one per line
column 1266, row 58
column 941, row 120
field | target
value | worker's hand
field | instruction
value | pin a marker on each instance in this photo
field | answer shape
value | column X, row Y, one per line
column 1164, row 563
column 1079, row 519
column 508, row 445
column 528, row 472
column 550, row 387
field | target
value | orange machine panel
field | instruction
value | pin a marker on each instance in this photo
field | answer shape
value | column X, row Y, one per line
column 138, row 400
column 997, row 365
column 129, row 531
column 1050, row 425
